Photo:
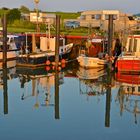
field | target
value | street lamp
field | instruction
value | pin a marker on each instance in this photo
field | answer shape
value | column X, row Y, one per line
column 36, row 3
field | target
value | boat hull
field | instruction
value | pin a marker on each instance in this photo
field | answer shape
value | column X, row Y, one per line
column 91, row 62
column 11, row 55
column 128, row 65
column 39, row 59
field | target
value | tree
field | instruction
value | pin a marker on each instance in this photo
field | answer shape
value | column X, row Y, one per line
column 24, row 9
column 5, row 8
column 13, row 14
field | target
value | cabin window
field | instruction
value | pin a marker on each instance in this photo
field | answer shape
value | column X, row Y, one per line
column 135, row 45
column 133, row 89
column 61, row 42
column 61, row 50
column 130, row 45
column 128, row 89
column 138, row 88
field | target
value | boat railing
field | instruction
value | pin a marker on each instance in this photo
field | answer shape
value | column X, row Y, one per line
column 128, row 53
column 11, row 50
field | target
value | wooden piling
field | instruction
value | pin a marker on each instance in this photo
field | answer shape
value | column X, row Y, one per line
column 57, row 40
column 110, row 34
column 4, row 24
column 109, row 69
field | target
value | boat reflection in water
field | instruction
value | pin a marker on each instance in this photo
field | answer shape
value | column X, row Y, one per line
column 97, row 82
column 43, row 84
column 91, row 81
column 129, row 94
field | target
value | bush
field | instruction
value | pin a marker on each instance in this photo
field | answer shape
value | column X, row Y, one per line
column 22, row 24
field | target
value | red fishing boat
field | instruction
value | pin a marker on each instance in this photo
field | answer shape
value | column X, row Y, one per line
column 129, row 60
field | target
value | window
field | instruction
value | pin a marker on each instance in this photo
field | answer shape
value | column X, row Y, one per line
column 135, row 45
column 92, row 16
column 114, row 17
column 83, row 17
column 138, row 88
column 130, row 45
column 98, row 16
column 106, row 17
column 133, row 89
column 61, row 50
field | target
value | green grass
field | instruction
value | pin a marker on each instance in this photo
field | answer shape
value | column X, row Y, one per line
column 66, row 15
column 18, row 30
column 19, row 26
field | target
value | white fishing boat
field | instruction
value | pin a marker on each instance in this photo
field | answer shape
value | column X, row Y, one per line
column 91, row 62
column 94, row 56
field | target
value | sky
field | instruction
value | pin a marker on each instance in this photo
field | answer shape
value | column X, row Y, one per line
column 126, row 6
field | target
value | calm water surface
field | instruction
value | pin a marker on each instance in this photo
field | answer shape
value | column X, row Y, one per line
column 34, row 107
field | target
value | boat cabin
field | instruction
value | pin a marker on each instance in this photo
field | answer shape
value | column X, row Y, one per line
column 12, row 41
column 133, row 45
column 95, row 46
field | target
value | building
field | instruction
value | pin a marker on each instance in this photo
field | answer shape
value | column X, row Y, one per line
column 43, row 17
column 99, row 19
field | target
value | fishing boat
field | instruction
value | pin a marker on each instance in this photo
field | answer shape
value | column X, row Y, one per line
column 45, row 54
column 12, row 50
column 93, row 56
column 129, row 60
column 91, row 62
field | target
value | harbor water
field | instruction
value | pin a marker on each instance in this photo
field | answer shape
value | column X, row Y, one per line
column 72, row 104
